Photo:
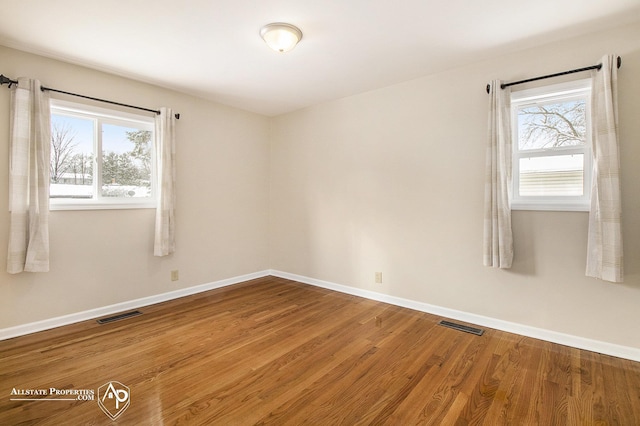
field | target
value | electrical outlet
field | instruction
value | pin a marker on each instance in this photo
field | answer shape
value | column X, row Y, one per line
column 378, row 277
column 174, row 275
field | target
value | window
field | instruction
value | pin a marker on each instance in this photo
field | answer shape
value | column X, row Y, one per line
column 100, row 158
column 552, row 147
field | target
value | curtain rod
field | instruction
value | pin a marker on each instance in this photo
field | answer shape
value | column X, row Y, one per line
column 592, row 67
column 7, row 80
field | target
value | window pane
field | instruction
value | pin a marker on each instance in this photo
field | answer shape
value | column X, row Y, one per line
column 71, row 163
column 552, row 125
column 560, row 175
column 126, row 162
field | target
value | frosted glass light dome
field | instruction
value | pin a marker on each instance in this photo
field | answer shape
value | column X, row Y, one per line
column 281, row 37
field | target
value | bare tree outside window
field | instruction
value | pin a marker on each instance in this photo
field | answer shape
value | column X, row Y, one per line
column 62, row 150
column 552, row 125
column 82, row 169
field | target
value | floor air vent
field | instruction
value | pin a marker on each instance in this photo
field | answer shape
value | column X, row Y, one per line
column 119, row 317
column 460, row 327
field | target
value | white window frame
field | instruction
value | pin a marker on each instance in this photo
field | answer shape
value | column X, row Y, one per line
column 578, row 89
column 105, row 116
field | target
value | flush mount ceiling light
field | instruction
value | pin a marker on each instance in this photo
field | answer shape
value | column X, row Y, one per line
column 281, row 37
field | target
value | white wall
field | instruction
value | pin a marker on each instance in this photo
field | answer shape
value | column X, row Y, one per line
column 99, row 258
column 392, row 180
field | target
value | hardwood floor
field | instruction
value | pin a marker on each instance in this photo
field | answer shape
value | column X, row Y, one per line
column 273, row 351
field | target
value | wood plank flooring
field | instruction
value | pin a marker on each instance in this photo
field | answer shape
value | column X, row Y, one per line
column 273, row 351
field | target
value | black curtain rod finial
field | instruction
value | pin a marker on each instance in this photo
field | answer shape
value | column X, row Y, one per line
column 7, row 80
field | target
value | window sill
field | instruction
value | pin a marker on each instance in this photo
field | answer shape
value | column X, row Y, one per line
column 578, row 207
column 102, row 206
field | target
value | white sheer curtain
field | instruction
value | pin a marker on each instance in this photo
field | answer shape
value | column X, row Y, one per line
column 30, row 142
column 498, row 239
column 604, row 246
column 165, row 150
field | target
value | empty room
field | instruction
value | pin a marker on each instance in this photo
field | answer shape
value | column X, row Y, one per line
column 320, row 212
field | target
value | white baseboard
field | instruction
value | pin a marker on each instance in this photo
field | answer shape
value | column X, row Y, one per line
column 620, row 351
column 21, row 330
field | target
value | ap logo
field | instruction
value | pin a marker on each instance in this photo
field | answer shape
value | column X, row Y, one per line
column 113, row 398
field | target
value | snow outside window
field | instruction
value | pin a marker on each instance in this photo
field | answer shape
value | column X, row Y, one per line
column 100, row 158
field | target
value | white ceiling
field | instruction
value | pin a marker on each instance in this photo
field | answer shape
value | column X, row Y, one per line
column 212, row 49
